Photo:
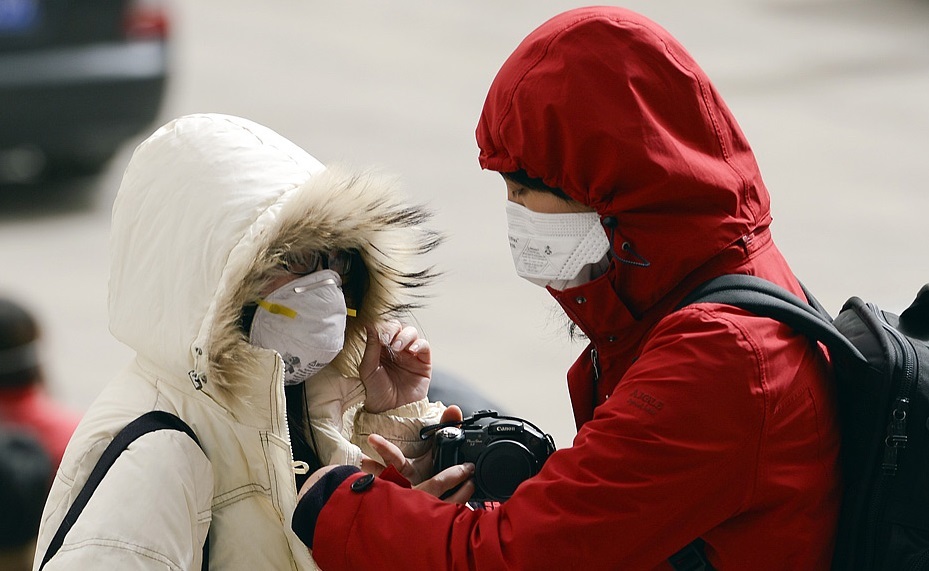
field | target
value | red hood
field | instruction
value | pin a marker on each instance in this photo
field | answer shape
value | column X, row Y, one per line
column 608, row 106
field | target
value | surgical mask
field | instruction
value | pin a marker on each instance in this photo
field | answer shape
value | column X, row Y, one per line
column 304, row 321
column 559, row 250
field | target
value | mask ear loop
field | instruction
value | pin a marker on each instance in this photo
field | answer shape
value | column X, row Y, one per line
column 611, row 223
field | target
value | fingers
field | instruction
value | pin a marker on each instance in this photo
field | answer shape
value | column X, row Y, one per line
column 407, row 339
column 371, row 466
column 448, row 479
column 421, row 350
column 391, row 455
column 452, row 413
column 387, row 450
column 387, row 331
column 396, row 338
column 462, row 494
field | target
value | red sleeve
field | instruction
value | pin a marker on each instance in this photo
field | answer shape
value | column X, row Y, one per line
column 672, row 453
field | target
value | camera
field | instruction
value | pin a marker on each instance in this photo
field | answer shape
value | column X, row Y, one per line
column 504, row 450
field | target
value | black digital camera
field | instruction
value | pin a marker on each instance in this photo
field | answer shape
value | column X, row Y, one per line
column 504, row 450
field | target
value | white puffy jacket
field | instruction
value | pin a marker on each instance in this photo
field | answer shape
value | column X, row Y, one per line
column 207, row 206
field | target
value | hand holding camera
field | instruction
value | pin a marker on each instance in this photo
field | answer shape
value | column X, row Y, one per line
column 505, row 451
column 480, row 458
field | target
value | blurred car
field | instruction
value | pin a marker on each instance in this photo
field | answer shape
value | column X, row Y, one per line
column 77, row 79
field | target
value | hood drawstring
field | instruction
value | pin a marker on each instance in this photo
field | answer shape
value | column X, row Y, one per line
column 640, row 261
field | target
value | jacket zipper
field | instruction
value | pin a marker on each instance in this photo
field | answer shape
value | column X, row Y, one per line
column 896, row 429
column 279, row 373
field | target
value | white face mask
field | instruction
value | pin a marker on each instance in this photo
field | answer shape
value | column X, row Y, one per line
column 559, row 250
column 304, row 321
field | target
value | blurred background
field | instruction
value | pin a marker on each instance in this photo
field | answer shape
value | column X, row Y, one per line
column 831, row 94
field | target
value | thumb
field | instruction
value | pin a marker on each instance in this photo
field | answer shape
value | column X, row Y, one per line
column 452, row 413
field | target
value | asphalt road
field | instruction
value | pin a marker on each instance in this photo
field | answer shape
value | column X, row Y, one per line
column 831, row 93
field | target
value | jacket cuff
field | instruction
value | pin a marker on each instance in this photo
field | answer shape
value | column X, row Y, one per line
column 400, row 426
column 312, row 502
column 391, row 474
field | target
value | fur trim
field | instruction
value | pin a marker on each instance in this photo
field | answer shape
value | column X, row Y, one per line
column 336, row 209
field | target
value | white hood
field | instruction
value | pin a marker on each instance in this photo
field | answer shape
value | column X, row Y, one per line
column 207, row 206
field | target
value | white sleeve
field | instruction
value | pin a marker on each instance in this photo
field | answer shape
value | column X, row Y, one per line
column 400, row 425
column 331, row 401
column 341, row 426
column 151, row 511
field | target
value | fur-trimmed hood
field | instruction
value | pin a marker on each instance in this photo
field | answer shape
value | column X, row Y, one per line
column 208, row 206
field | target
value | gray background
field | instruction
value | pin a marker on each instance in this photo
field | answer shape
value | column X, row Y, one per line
column 831, row 94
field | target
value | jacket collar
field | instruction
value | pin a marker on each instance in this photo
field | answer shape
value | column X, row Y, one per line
column 610, row 318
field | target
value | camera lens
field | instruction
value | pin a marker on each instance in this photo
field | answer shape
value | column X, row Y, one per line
column 502, row 466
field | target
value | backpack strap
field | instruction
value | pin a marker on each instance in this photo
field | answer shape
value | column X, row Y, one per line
column 765, row 299
column 148, row 422
column 691, row 558
column 915, row 319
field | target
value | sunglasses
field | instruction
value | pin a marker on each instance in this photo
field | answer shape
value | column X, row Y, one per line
column 339, row 261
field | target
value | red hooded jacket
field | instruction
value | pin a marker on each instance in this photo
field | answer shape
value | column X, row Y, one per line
column 705, row 422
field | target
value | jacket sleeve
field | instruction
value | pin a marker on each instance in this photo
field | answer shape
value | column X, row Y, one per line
column 151, row 511
column 336, row 410
column 670, row 454
column 400, row 426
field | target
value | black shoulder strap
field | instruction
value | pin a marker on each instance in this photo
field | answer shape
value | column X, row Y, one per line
column 915, row 319
column 148, row 422
column 691, row 558
column 765, row 299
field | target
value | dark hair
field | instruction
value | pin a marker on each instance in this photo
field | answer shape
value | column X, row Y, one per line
column 358, row 281
column 523, row 178
column 25, row 479
column 19, row 364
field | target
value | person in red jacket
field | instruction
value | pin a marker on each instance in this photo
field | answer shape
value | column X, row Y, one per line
column 629, row 184
column 24, row 398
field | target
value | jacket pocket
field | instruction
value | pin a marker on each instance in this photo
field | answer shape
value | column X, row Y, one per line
column 281, row 473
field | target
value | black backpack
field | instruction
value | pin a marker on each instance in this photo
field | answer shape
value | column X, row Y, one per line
column 881, row 364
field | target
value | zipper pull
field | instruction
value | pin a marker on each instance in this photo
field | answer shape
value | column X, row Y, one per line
column 197, row 379
column 896, row 437
column 595, row 360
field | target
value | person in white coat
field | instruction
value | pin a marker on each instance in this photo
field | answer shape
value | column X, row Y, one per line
column 260, row 292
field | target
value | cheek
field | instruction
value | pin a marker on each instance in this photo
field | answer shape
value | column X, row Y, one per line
column 544, row 203
column 277, row 283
